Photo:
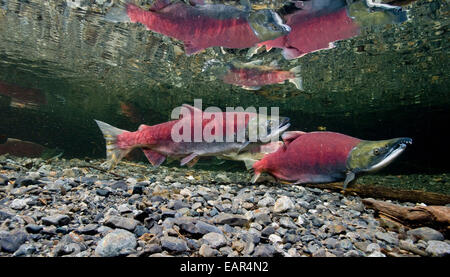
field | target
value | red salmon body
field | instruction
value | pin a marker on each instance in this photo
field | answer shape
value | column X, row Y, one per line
column 254, row 77
column 309, row 157
column 313, row 33
column 23, row 96
column 197, row 27
column 21, row 148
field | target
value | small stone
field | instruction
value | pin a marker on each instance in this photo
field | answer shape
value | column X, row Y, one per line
column 438, row 248
column 18, row 204
column 173, row 244
column 25, row 250
column 206, row 251
column 215, row 240
column 287, row 223
column 140, row 230
column 119, row 185
column 264, row 250
column 331, row 243
column 71, row 243
column 387, row 237
column 231, row 219
column 115, row 242
column 353, row 253
column 138, row 189
column 376, row 254
column 33, row 228
column 283, row 204
column 102, row 192
column 275, row 238
column 152, row 248
column 238, row 245
column 56, row 220
column 3, row 180
column 121, row 222
column 186, row 193
column 10, row 242
column 266, row 201
column 268, row 231
column 425, row 233
column 373, row 247
column 336, row 229
column 90, row 229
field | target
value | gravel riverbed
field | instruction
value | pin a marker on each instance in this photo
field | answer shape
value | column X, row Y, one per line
column 73, row 208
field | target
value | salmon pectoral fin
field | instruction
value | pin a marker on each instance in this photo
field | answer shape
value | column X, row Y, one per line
column 188, row 158
column 155, row 158
column 349, row 178
column 255, row 177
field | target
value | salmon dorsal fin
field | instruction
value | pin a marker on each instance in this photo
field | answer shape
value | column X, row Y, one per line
column 141, row 127
column 159, row 5
column 192, row 109
column 290, row 136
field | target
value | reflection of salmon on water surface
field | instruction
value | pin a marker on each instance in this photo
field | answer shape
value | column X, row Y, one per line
column 23, row 97
column 253, row 75
column 316, row 24
column 200, row 26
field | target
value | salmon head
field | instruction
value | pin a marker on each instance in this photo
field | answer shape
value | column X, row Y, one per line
column 371, row 156
column 366, row 16
column 267, row 25
column 266, row 128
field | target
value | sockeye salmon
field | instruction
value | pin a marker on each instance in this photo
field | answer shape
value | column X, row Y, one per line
column 201, row 26
column 157, row 141
column 317, row 24
column 323, row 157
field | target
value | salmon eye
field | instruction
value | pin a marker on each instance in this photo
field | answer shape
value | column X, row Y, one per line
column 376, row 151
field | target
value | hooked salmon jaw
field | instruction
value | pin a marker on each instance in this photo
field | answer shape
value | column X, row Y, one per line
column 391, row 156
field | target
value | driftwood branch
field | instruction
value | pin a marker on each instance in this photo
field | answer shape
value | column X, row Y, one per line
column 414, row 196
column 433, row 216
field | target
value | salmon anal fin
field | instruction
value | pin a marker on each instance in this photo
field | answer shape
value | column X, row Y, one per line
column 192, row 162
column 155, row 158
column 188, row 158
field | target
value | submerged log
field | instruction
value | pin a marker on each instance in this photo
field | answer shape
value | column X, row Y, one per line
column 414, row 196
column 434, row 216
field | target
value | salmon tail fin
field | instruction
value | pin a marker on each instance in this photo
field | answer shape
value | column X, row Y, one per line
column 297, row 80
column 113, row 153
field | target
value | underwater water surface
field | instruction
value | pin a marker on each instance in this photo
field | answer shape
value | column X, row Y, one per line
column 65, row 63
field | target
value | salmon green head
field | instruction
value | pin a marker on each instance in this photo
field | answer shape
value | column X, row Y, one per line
column 366, row 16
column 267, row 25
column 371, row 156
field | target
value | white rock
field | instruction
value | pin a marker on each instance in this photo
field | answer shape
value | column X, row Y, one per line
column 283, row 204
column 275, row 238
